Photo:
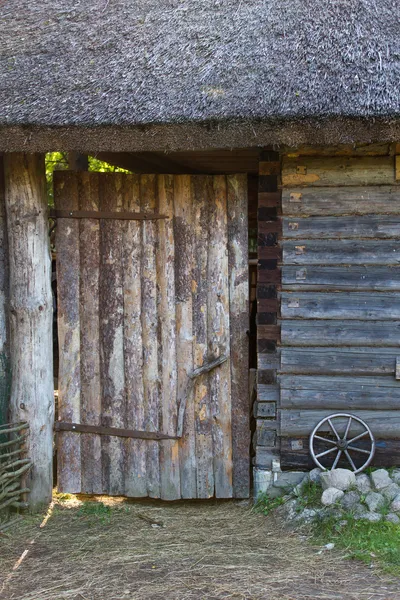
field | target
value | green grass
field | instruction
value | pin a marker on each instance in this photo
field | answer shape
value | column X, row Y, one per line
column 310, row 496
column 265, row 504
column 98, row 510
column 377, row 543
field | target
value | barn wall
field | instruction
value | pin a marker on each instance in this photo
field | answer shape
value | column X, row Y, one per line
column 4, row 298
column 337, row 280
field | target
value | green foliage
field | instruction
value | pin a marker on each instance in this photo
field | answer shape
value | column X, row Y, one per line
column 370, row 542
column 265, row 504
column 97, row 510
column 310, row 496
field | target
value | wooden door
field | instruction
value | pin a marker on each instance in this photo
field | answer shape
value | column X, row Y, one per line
column 143, row 304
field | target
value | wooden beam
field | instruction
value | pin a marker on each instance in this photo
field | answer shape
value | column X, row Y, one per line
column 144, row 162
column 31, row 315
column 78, row 162
column 4, row 275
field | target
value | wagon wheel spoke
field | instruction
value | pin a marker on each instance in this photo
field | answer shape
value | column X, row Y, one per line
column 347, row 429
column 358, row 437
column 353, row 466
column 334, row 430
column 326, row 452
column 318, row 437
column 358, row 449
column 339, row 454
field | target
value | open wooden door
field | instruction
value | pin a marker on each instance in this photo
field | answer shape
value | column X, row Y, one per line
column 152, row 319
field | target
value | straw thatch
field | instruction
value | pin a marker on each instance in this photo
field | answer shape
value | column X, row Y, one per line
column 139, row 62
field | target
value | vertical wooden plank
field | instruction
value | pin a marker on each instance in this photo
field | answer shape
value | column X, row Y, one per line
column 169, row 449
column 218, row 339
column 135, row 472
column 112, row 333
column 148, row 195
column 4, row 271
column 202, row 198
column 239, row 323
column 88, row 185
column 69, row 377
column 183, row 234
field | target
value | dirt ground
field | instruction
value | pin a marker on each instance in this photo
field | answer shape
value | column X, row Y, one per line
column 180, row 551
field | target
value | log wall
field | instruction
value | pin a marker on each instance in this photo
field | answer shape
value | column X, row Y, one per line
column 340, row 312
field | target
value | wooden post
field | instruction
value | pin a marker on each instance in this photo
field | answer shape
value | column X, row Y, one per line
column 31, row 313
column 4, row 336
column 78, row 162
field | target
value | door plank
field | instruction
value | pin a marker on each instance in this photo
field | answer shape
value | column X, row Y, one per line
column 219, row 339
column 169, row 449
column 149, row 201
column 68, row 268
column 202, row 187
column 112, row 334
column 90, row 333
column 184, row 260
column 239, row 324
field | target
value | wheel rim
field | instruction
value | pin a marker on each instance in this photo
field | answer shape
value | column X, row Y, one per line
column 342, row 444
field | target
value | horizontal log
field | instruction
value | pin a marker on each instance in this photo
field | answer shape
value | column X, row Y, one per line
column 378, row 227
column 266, row 252
column 340, row 333
column 264, row 457
column 265, row 410
column 263, row 435
column 295, row 453
column 268, row 332
column 113, row 431
column 340, row 252
column 339, row 393
column 269, row 167
column 331, row 361
column 384, row 424
column 105, row 214
column 269, row 199
column 383, row 200
column 268, row 362
column 340, row 305
column 337, row 171
column 269, row 276
column 378, row 149
column 267, row 393
column 341, row 278
column 265, row 227
column 267, row 305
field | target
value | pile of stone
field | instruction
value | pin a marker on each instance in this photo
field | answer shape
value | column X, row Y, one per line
column 372, row 497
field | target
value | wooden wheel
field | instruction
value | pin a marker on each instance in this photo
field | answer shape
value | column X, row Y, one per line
column 342, row 438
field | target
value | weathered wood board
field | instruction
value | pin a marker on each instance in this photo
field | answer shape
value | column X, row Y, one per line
column 346, row 278
column 143, row 304
column 341, row 252
column 370, row 226
column 340, row 333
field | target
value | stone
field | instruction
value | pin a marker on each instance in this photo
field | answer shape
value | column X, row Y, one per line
column 392, row 518
column 308, row 515
column 315, row 475
column 374, row 501
column 380, row 479
column 369, row 516
column 350, row 500
column 395, row 506
column 395, row 475
column 391, row 491
column 331, row 496
column 288, row 479
column 363, row 483
column 341, row 479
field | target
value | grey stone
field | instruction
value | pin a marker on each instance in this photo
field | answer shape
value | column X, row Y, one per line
column 331, row 496
column 363, row 483
column 315, row 475
column 396, row 475
column 392, row 518
column 395, row 506
column 369, row 516
column 391, row 491
column 350, row 500
column 374, row 501
column 308, row 515
column 341, row 479
column 288, row 479
column 290, row 509
column 380, row 479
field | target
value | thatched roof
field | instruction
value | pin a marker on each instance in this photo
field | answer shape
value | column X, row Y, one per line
column 135, row 62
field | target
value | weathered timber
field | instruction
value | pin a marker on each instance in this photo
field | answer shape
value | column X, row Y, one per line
column 341, row 252
column 135, row 449
column 202, row 196
column 379, row 227
column 384, row 424
column 4, row 272
column 341, row 278
column 340, row 393
column 270, row 361
column 365, row 149
column 90, row 397
column 78, row 161
column 106, row 214
column 341, row 361
column 265, row 409
column 219, row 339
column 31, row 314
column 265, row 456
column 263, row 435
column 153, row 407
column 267, row 392
column 334, row 171
column 384, row 200
column 239, row 324
column 184, row 253
column 340, row 333
column 165, row 260
column 112, row 431
column 340, row 305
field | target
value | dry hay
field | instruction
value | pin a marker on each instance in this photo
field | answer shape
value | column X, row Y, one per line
column 177, row 551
